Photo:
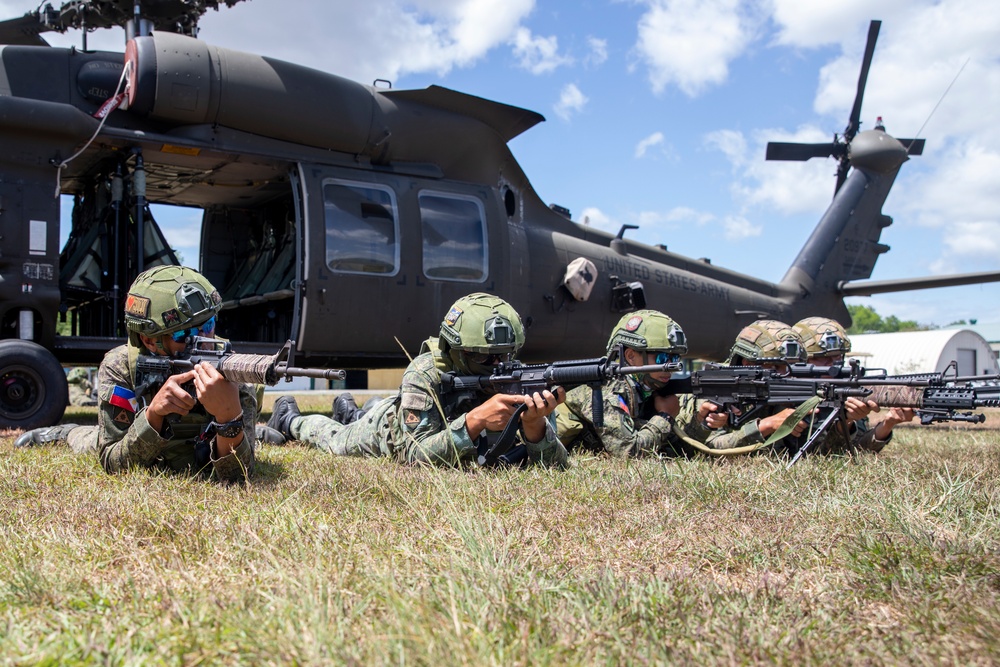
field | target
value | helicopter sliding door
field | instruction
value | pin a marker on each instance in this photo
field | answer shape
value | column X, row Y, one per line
column 384, row 256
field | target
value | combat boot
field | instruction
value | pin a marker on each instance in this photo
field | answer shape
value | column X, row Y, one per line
column 285, row 410
column 269, row 435
column 45, row 435
column 345, row 409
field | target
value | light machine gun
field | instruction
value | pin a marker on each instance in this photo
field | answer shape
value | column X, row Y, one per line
column 744, row 391
column 153, row 370
column 517, row 378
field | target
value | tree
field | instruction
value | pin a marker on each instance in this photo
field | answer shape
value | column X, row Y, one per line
column 866, row 320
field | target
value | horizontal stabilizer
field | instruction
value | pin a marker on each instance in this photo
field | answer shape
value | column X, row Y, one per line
column 869, row 287
column 508, row 121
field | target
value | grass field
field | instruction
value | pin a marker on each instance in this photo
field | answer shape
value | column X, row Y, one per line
column 322, row 560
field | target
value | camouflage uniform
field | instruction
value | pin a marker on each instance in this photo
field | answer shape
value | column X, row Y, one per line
column 632, row 427
column 410, row 427
column 830, row 442
column 824, row 337
column 81, row 391
column 161, row 301
column 124, row 439
column 762, row 342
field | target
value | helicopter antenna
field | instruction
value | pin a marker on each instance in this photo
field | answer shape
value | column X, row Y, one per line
column 943, row 95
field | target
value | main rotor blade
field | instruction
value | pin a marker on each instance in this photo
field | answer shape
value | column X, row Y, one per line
column 855, row 121
column 779, row 150
column 24, row 31
column 913, row 146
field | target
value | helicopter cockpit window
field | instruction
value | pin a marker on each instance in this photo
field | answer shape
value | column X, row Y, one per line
column 362, row 230
column 454, row 237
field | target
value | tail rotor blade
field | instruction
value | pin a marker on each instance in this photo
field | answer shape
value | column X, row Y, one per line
column 778, row 150
column 913, row 146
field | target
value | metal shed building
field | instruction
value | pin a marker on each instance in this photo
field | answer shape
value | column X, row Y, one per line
column 925, row 351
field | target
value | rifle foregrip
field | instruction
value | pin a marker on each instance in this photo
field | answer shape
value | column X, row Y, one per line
column 248, row 369
column 890, row 396
column 576, row 375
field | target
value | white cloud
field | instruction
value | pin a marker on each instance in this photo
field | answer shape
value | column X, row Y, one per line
column 790, row 188
column 737, row 228
column 690, row 43
column 596, row 218
column 655, row 139
column 571, row 100
column 538, row 55
column 598, row 51
column 388, row 39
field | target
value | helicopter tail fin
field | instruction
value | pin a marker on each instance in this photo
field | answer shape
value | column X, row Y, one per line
column 844, row 246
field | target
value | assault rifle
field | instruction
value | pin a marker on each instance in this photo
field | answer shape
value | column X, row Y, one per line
column 517, row 378
column 153, row 370
column 745, row 391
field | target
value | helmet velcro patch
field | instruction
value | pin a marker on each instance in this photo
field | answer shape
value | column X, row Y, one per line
column 453, row 316
column 137, row 306
column 633, row 323
column 171, row 318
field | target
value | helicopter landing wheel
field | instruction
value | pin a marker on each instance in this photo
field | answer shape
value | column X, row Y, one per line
column 33, row 389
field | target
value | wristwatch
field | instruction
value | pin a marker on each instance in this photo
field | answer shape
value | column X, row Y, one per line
column 229, row 429
column 666, row 415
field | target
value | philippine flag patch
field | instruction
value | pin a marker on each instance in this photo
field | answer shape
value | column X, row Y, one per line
column 124, row 398
column 623, row 404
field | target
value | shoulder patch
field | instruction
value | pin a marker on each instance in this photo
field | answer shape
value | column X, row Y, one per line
column 123, row 398
column 627, row 422
column 123, row 417
column 137, row 305
column 415, row 400
column 633, row 323
column 411, row 418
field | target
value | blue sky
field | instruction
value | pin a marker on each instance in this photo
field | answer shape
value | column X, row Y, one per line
column 658, row 112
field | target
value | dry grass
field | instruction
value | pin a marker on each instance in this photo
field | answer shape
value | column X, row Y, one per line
column 888, row 559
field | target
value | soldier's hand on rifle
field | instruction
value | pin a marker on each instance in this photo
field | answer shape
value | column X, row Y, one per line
column 670, row 404
column 540, row 406
column 495, row 412
column 220, row 397
column 713, row 416
column 171, row 399
column 895, row 416
column 858, row 408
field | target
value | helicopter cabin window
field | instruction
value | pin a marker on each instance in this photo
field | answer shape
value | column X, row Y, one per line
column 454, row 237
column 362, row 231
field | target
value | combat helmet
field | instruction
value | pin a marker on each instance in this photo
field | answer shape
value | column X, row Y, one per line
column 480, row 324
column 169, row 298
column 77, row 374
column 648, row 330
column 768, row 341
column 823, row 336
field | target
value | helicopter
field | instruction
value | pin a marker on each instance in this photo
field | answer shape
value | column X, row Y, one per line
column 343, row 216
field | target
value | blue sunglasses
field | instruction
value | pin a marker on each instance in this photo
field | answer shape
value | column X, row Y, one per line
column 206, row 328
column 667, row 358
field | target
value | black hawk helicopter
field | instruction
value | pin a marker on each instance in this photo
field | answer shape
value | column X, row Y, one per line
column 341, row 215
